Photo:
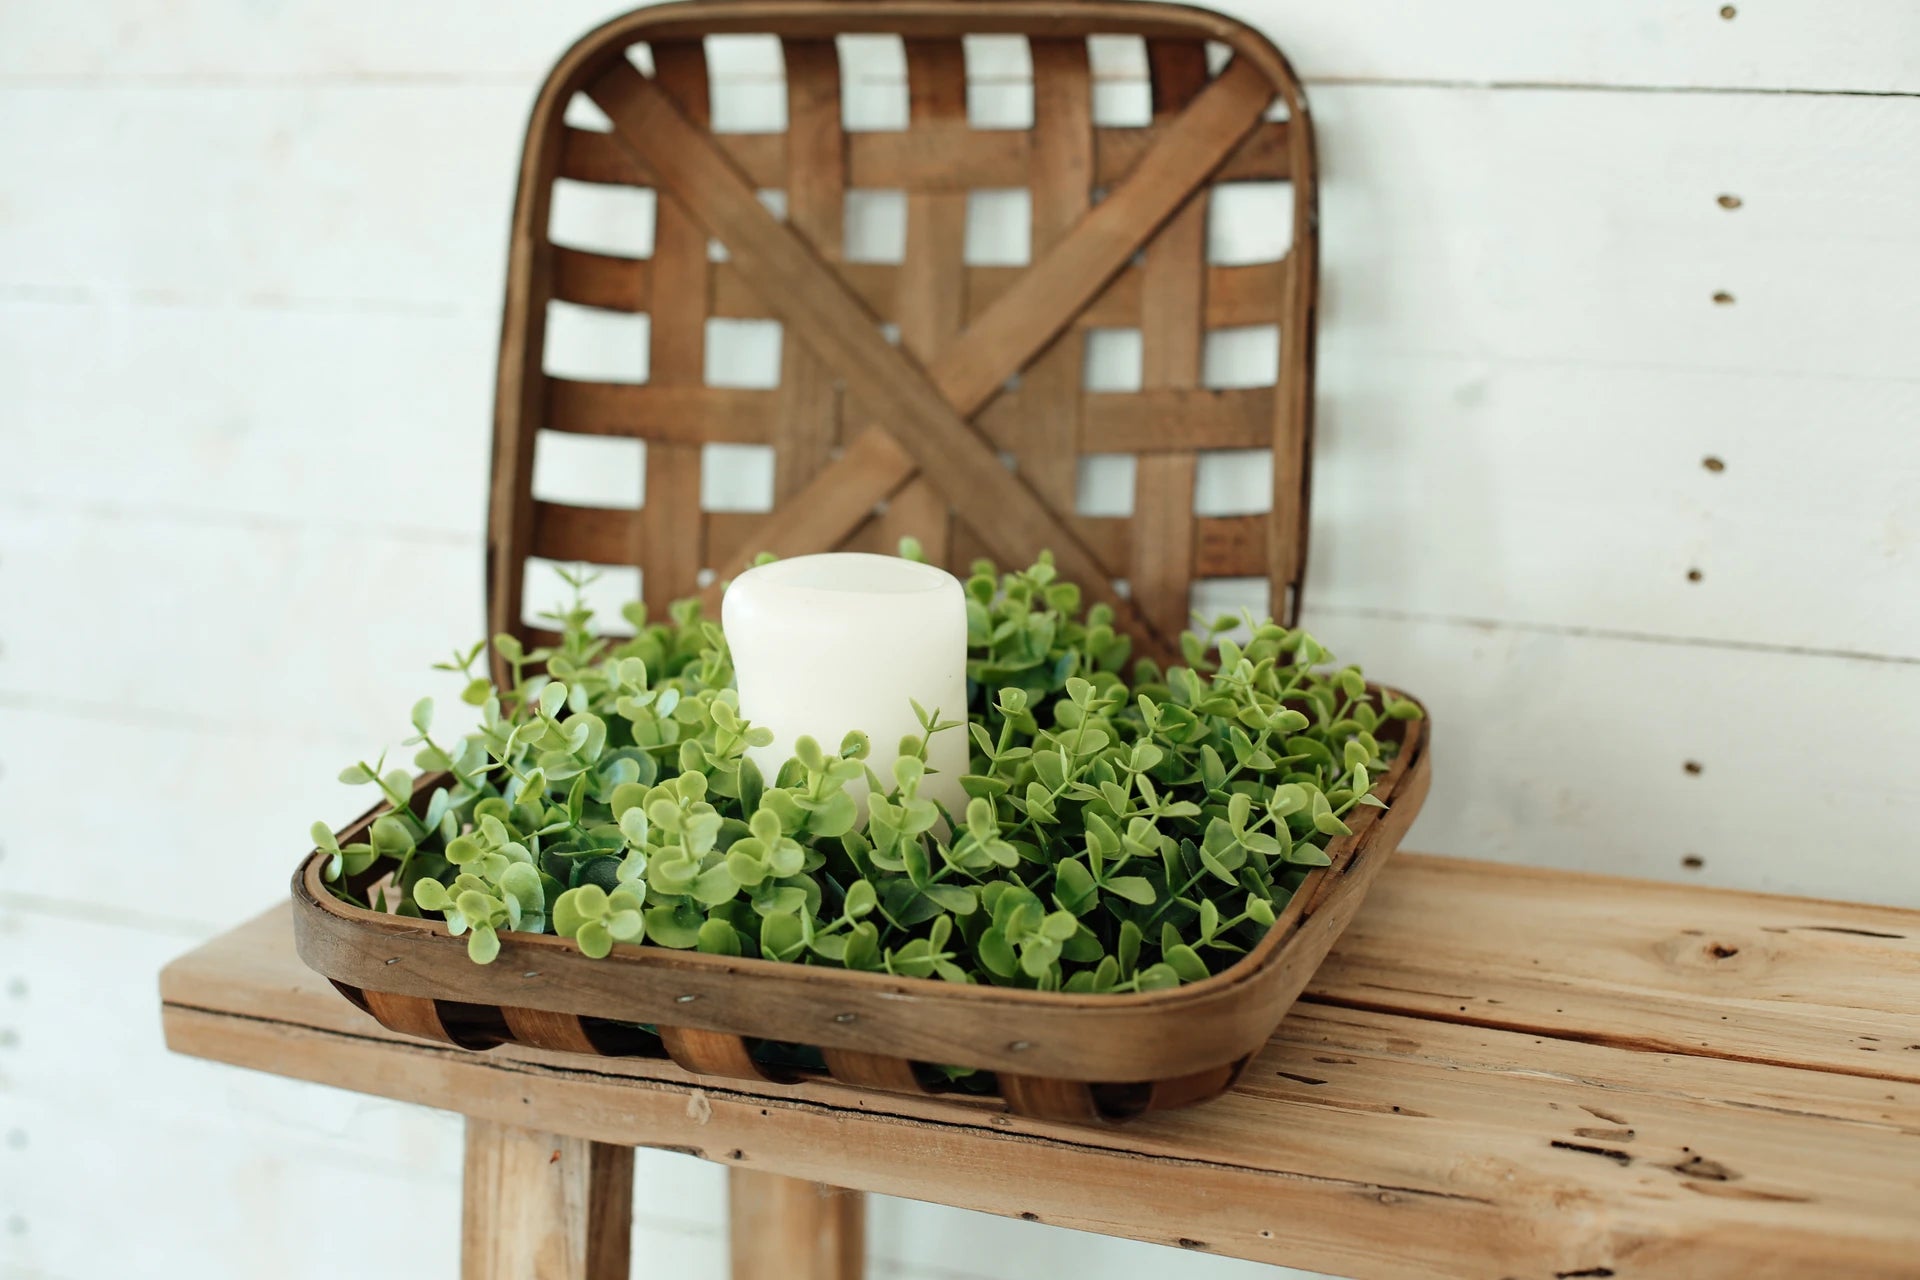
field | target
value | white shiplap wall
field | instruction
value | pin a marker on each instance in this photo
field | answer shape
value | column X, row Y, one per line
column 250, row 263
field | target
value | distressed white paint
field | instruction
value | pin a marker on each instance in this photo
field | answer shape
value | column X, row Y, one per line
column 250, row 267
column 1865, row 45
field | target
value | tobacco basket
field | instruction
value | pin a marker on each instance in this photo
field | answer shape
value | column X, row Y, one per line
column 874, row 440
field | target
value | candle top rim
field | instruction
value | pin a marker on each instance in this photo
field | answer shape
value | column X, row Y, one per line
column 854, row 573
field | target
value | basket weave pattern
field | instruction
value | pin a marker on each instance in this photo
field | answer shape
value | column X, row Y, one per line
column 966, row 433
column 874, row 441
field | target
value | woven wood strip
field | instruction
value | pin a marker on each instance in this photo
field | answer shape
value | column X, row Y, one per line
column 678, row 334
column 1170, row 335
column 545, row 1029
column 712, row 1053
column 1062, row 183
column 930, row 296
column 872, row 1071
column 965, row 160
column 1112, row 421
column 807, row 426
column 1235, row 295
column 663, row 412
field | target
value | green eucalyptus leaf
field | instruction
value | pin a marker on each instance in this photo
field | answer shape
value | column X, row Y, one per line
column 483, row 944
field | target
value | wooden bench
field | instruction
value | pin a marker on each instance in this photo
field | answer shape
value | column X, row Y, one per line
column 1501, row 1071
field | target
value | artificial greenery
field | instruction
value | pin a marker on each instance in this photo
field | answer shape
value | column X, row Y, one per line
column 1123, row 833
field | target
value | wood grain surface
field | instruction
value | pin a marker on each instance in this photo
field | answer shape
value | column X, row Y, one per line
column 1501, row 1071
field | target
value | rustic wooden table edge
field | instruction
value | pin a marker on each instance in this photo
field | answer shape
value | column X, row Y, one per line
column 1500, row 1071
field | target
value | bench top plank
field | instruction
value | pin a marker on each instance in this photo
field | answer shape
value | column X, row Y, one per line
column 1500, row 1071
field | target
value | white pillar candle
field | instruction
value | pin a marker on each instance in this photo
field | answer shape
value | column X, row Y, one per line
column 826, row 644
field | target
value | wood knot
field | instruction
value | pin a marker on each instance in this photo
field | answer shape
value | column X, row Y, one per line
column 1703, row 1168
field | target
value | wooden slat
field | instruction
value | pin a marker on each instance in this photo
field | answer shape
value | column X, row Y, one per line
column 1673, row 969
column 544, row 1205
column 964, row 159
column 1151, row 421
column 872, row 1071
column 409, row 1015
column 1246, row 294
column 793, row 1229
column 603, row 280
column 520, row 404
column 930, row 297
column 1061, row 179
column 1613, row 1095
column 1041, row 1098
column 670, row 513
column 834, row 503
column 1229, row 546
column 710, row 1053
column 1158, row 420
column 808, row 423
column 1114, row 421
column 593, row 535
column 1223, row 546
column 918, row 511
column 544, row 1029
column 661, row 413
column 1170, row 335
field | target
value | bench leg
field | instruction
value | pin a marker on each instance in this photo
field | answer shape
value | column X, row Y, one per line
column 790, row 1229
column 541, row 1207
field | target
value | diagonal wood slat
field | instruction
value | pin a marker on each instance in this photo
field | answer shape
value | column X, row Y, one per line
column 926, row 410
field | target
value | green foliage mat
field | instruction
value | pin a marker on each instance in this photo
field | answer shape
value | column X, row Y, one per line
column 1123, row 832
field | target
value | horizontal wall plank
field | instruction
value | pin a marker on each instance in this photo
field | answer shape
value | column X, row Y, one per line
column 1567, row 750
column 1456, row 221
column 373, row 196
column 1586, row 227
column 1576, row 496
column 314, row 417
column 1539, row 494
column 259, row 625
column 1801, row 44
column 1572, row 751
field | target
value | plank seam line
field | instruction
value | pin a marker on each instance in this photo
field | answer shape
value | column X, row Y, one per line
column 40, row 904
column 468, row 540
column 179, row 721
column 64, row 295
column 503, row 80
column 1589, row 86
column 536, row 1070
column 1608, row 1040
column 1609, row 633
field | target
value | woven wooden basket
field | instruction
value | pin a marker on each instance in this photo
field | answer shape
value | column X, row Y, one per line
column 873, row 441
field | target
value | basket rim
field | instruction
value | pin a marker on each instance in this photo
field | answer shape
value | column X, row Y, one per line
column 310, row 894
column 687, row 19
